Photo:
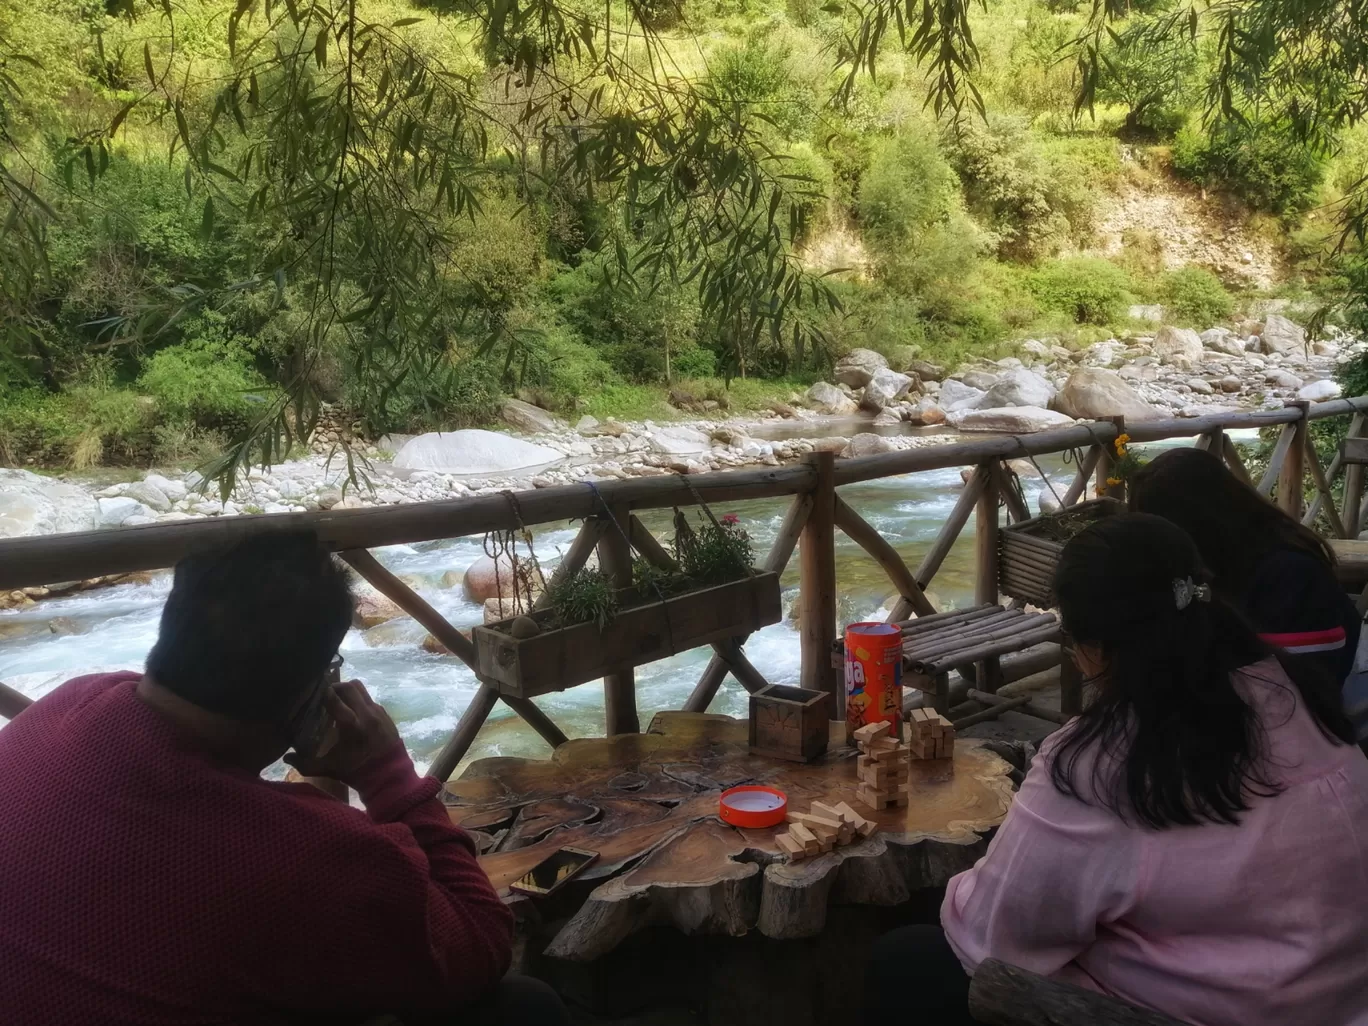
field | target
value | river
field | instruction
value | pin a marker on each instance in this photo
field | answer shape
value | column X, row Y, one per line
column 113, row 628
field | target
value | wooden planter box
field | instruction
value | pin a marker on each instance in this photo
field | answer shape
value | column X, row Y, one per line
column 1028, row 552
column 789, row 723
column 640, row 633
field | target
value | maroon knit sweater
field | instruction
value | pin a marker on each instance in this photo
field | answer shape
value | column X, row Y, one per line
column 142, row 882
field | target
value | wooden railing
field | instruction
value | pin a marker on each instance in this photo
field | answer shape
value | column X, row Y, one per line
column 608, row 511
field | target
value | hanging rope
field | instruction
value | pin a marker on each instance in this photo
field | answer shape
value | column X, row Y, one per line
column 502, row 547
column 655, row 585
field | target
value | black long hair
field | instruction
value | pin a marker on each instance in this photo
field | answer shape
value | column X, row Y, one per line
column 1175, row 743
column 1233, row 525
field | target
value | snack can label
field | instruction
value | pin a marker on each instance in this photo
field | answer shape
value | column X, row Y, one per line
column 873, row 675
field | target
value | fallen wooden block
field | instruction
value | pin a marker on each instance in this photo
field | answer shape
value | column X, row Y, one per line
column 814, row 822
column 863, row 827
column 805, row 837
column 794, row 849
column 871, row 731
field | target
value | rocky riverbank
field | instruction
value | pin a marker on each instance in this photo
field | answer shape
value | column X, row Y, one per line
column 869, row 407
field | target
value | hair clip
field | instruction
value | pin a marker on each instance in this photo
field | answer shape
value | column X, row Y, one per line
column 1185, row 590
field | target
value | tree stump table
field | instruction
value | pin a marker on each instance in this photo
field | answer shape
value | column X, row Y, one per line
column 648, row 804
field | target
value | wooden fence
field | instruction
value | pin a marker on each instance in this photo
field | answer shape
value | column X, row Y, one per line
column 816, row 511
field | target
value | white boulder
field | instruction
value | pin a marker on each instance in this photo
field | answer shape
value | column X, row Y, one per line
column 30, row 504
column 472, row 451
column 1223, row 340
column 1018, row 387
column 1320, row 391
column 1282, row 336
column 868, row 444
column 532, row 419
column 857, row 367
column 883, row 388
column 173, row 490
column 1014, row 420
column 956, row 395
column 114, row 511
column 827, row 398
column 149, row 495
column 679, row 440
column 1181, row 347
column 1283, row 379
column 1093, row 392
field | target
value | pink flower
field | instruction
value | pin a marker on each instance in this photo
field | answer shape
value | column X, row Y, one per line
column 731, row 518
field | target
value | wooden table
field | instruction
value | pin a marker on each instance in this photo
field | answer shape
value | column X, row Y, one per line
column 648, row 804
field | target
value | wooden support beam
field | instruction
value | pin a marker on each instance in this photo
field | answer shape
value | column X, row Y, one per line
column 1012, row 498
column 1003, row 702
column 1211, row 441
column 859, row 531
column 1085, row 471
column 986, row 535
column 451, row 639
column 945, row 541
column 481, row 705
column 1003, row 995
column 1276, row 459
column 817, row 550
column 1294, row 466
column 12, row 703
column 575, row 556
column 779, row 555
column 1323, row 488
column 993, row 711
column 619, row 689
column 1353, row 481
column 1231, row 455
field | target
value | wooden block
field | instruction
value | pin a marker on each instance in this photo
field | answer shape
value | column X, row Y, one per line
column 827, row 811
column 923, row 749
column 871, row 731
column 849, row 815
column 882, row 744
column 792, row 848
column 900, row 800
column 806, row 838
column 873, row 797
column 846, row 835
column 945, row 725
column 814, row 822
column 919, row 716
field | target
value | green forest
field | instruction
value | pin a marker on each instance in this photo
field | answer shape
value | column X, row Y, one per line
column 220, row 217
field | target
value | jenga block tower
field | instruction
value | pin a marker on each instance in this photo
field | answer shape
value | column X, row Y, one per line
column 883, row 767
column 930, row 735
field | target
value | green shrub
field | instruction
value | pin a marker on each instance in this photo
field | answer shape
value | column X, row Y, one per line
column 1091, row 290
column 1260, row 162
column 207, row 381
column 1195, row 297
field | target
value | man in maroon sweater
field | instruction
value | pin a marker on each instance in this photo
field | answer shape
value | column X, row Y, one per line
column 149, row 875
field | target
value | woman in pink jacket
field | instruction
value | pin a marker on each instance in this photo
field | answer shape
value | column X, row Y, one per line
column 1195, row 842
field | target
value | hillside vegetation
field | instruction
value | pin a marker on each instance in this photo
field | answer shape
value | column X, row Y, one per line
column 219, row 216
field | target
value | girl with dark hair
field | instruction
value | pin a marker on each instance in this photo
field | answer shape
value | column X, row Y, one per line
column 1195, row 842
column 1280, row 574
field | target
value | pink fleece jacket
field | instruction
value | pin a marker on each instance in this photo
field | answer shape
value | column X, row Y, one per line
column 1260, row 924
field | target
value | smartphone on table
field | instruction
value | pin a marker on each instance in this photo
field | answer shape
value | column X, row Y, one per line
column 554, row 872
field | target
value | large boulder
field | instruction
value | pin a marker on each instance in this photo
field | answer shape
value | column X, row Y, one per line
column 825, row 397
column 116, row 509
column 926, row 370
column 884, row 387
column 1319, row 391
column 1181, row 347
column 868, row 444
column 857, row 367
column 532, row 419
column 370, row 610
column 956, row 395
column 679, row 439
column 1094, row 392
column 30, row 504
column 980, row 379
column 1283, row 336
column 1018, row 387
column 486, row 579
column 472, row 451
column 173, row 490
column 149, row 495
column 1223, row 340
column 926, row 411
column 1013, row 420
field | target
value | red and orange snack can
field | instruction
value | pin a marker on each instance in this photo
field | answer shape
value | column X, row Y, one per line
column 873, row 676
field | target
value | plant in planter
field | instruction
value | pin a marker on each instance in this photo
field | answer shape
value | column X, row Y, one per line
column 586, row 596
column 1124, row 466
column 1028, row 551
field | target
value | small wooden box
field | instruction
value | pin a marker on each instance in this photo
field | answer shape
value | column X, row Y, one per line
column 789, row 723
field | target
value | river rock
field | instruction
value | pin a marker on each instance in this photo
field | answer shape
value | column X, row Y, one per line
column 825, row 397
column 1181, row 347
column 484, row 579
column 149, row 495
column 114, row 511
column 867, row 444
column 1223, row 340
column 857, row 367
column 1018, row 387
column 30, row 505
column 1320, row 391
column 884, row 387
column 980, row 379
column 1282, row 336
column 1014, row 420
column 472, row 451
column 679, row 439
column 369, row 610
column 955, row 395
column 926, row 411
column 173, row 490
column 1282, row 379
column 1104, row 354
column 1093, row 392
column 1230, row 383
column 1200, row 385
column 925, row 370
column 588, row 426
column 532, row 419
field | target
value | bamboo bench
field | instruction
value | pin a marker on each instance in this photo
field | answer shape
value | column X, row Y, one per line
column 973, row 641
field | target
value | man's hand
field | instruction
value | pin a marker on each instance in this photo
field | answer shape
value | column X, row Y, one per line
column 364, row 731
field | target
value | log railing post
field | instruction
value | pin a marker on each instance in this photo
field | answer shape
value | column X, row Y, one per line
column 1294, row 465
column 986, row 535
column 619, row 689
column 12, row 703
column 1353, row 482
column 817, row 552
